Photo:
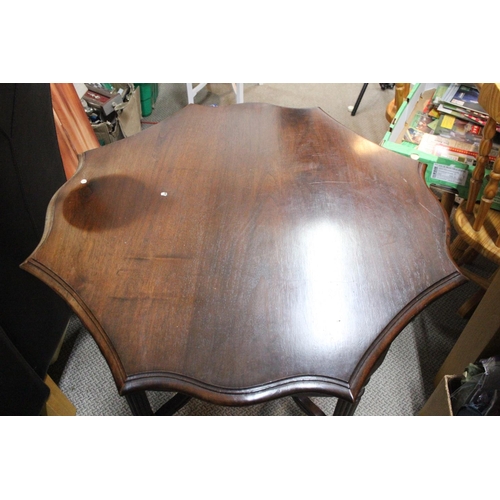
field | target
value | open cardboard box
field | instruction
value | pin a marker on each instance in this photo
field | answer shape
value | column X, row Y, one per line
column 439, row 403
column 128, row 121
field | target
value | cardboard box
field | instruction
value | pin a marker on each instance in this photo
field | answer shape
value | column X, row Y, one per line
column 439, row 402
column 129, row 115
column 127, row 123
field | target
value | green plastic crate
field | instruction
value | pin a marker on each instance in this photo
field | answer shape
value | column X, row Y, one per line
column 149, row 94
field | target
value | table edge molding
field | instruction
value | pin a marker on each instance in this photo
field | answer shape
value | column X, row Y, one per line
column 298, row 384
column 368, row 363
column 292, row 386
column 91, row 323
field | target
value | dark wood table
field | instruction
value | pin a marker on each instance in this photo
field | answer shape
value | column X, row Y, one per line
column 245, row 253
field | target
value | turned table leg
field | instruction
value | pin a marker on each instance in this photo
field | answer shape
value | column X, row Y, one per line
column 345, row 408
column 139, row 404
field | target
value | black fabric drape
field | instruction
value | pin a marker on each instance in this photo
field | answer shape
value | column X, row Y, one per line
column 33, row 317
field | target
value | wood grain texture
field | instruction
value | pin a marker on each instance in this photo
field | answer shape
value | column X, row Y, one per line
column 489, row 192
column 58, row 405
column 401, row 91
column 243, row 253
column 489, row 99
column 482, row 240
column 482, row 162
column 74, row 132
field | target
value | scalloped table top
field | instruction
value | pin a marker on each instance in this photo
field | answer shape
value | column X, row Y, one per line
column 244, row 253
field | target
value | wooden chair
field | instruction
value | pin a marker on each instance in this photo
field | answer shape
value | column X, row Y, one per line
column 477, row 226
column 401, row 91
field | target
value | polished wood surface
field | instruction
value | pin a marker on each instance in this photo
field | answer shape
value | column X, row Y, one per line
column 244, row 253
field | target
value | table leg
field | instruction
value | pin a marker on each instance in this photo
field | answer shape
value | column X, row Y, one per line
column 342, row 408
column 173, row 405
column 345, row 408
column 139, row 403
column 307, row 406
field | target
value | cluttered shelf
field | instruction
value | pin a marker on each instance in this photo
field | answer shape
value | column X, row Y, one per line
column 441, row 125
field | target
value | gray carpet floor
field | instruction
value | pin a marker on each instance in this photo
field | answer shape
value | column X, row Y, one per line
column 404, row 381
